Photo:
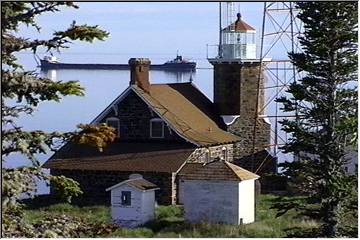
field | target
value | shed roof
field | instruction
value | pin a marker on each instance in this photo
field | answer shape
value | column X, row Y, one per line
column 216, row 170
column 189, row 112
column 154, row 161
column 189, row 168
column 138, row 183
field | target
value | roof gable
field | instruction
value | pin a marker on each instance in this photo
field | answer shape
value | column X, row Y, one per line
column 188, row 112
column 185, row 109
column 106, row 111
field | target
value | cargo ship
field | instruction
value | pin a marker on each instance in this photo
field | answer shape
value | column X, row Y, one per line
column 177, row 64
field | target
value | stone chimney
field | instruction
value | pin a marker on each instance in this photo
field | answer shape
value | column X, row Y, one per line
column 139, row 73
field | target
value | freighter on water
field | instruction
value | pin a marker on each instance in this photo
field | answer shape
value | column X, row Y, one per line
column 177, row 64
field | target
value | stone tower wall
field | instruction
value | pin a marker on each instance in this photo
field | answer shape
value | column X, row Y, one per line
column 235, row 89
column 244, row 127
column 235, row 92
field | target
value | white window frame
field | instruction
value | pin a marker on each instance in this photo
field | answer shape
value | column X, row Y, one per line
column 114, row 119
column 157, row 120
column 224, row 153
column 207, row 155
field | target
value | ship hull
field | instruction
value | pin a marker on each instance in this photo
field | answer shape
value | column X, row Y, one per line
column 46, row 65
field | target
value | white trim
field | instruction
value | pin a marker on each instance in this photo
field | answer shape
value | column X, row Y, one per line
column 108, row 108
column 118, row 122
column 115, row 108
column 165, row 120
column 229, row 119
column 157, row 120
column 224, row 153
column 237, row 60
column 266, row 119
column 207, row 155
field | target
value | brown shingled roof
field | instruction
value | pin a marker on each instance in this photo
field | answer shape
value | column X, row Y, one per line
column 73, row 150
column 157, row 161
column 142, row 184
column 189, row 168
column 138, row 183
column 188, row 112
column 216, row 170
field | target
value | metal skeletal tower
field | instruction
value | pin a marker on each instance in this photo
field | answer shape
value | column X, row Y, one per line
column 280, row 32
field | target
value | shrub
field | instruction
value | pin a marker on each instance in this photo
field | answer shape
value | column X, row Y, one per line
column 163, row 212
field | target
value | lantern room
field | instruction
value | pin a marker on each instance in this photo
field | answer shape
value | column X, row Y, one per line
column 237, row 41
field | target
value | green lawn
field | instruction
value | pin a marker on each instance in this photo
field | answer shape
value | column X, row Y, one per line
column 169, row 222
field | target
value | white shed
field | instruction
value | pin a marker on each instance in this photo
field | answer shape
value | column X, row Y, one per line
column 218, row 192
column 133, row 201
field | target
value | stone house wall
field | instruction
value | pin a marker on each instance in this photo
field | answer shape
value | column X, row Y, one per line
column 135, row 115
column 94, row 184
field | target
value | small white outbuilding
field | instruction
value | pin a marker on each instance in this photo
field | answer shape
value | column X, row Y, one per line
column 133, row 201
column 218, row 192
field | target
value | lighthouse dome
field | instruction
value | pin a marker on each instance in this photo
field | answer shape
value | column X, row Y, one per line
column 240, row 26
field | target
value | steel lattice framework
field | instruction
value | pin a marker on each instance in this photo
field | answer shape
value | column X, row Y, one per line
column 280, row 31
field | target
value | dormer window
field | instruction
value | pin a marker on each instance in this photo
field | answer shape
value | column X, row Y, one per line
column 115, row 123
column 156, row 128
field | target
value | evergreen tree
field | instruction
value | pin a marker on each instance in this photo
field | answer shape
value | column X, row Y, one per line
column 326, row 102
column 22, row 91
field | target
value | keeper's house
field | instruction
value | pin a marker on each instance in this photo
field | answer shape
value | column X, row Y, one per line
column 161, row 127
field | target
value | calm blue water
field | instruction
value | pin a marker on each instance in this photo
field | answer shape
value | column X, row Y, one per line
column 102, row 87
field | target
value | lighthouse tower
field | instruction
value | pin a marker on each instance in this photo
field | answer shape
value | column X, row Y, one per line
column 236, row 76
column 237, row 41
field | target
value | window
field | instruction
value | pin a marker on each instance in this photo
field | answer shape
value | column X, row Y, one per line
column 156, row 128
column 126, row 198
column 115, row 123
column 250, row 38
column 224, row 153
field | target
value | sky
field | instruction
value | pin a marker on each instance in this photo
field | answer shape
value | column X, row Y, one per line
column 156, row 30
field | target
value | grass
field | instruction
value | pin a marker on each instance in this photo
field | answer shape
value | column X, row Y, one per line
column 95, row 214
column 170, row 223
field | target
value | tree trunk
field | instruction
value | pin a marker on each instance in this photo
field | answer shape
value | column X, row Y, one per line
column 331, row 220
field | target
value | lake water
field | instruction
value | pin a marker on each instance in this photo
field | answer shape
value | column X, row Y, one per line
column 102, row 87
